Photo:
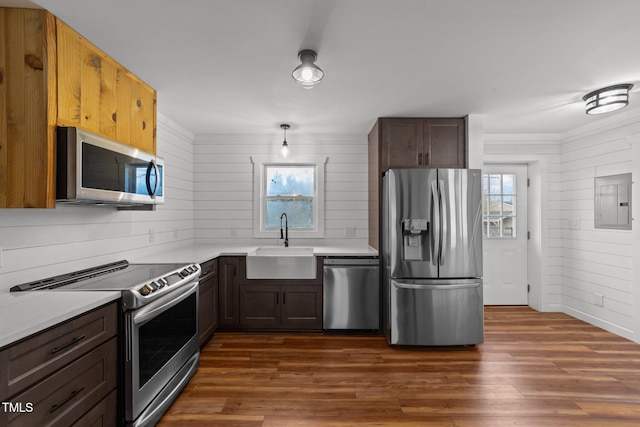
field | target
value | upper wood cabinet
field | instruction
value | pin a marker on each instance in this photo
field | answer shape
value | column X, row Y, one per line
column 51, row 76
column 411, row 143
column 99, row 95
column 430, row 143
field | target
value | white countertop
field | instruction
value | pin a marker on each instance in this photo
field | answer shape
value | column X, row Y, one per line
column 204, row 252
column 25, row 313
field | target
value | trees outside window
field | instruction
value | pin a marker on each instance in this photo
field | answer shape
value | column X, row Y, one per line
column 290, row 190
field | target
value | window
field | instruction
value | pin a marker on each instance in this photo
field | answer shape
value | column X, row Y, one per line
column 296, row 189
column 290, row 190
column 499, row 205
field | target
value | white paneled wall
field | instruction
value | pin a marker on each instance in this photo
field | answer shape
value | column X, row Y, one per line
column 597, row 261
column 38, row 242
column 224, row 184
column 543, row 152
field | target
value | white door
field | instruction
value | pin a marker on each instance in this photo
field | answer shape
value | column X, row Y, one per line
column 504, row 216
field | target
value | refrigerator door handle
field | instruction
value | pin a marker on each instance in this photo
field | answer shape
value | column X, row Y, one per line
column 443, row 287
column 444, row 224
column 435, row 224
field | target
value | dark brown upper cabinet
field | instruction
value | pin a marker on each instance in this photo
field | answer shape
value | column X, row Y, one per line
column 418, row 143
column 411, row 143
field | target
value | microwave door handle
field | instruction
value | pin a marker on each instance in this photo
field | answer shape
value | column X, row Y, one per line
column 152, row 166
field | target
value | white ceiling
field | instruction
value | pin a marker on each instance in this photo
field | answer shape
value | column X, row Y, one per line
column 224, row 66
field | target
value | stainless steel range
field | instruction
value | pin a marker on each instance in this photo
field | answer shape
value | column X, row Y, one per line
column 160, row 350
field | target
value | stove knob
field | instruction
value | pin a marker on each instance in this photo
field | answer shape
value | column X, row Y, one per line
column 145, row 290
column 159, row 284
column 184, row 273
column 153, row 286
column 163, row 281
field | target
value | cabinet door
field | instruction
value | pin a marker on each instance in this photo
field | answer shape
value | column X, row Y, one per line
column 260, row 306
column 301, row 307
column 444, row 143
column 207, row 308
column 401, row 144
column 229, row 277
column 27, row 115
column 100, row 95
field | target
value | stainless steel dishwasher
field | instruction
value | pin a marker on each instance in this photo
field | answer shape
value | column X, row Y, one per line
column 351, row 293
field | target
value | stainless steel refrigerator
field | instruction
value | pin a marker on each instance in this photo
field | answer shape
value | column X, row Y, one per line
column 432, row 257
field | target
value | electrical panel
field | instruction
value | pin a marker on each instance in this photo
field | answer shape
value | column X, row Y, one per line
column 613, row 201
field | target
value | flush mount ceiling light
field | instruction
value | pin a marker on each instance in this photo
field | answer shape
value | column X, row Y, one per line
column 607, row 99
column 307, row 74
column 285, row 146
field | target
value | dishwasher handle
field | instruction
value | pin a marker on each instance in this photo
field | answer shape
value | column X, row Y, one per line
column 351, row 261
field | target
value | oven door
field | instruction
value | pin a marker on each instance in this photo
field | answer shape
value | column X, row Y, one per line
column 161, row 353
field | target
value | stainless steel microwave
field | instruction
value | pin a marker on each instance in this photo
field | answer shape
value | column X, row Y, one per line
column 96, row 170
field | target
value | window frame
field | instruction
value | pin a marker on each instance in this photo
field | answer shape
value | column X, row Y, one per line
column 487, row 217
column 260, row 165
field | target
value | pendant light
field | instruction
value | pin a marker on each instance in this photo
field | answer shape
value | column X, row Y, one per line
column 607, row 99
column 307, row 74
column 285, row 146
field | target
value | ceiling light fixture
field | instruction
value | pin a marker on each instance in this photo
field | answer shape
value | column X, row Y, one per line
column 307, row 74
column 607, row 99
column 285, row 146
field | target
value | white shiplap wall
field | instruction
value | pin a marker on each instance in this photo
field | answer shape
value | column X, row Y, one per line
column 39, row 242
column 597, row 261
column 541, row 153
column 224, row 184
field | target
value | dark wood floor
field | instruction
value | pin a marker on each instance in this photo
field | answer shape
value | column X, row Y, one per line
column 534, row 369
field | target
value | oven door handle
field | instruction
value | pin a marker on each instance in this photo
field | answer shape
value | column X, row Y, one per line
column 156, row 307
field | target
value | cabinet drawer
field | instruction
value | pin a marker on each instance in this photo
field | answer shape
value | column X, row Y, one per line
column 209, row 268
column 104, row 414
column 71, row 392
column 28, row 361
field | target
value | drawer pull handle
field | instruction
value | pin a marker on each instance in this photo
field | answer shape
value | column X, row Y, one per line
column 73, row 341
column 73, row 394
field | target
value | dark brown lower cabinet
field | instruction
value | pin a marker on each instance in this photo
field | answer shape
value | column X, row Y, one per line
column 65, row 375
column 101, row 415
column 301, row 307
column 266, row 304
column 230, row 274
column 208, row 300
column 271, row 307
column 71, row 392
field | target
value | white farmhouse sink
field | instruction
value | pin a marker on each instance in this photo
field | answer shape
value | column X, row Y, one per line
column 274, row 262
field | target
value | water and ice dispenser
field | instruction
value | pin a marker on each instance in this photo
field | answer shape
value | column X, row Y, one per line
column 415, row 245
